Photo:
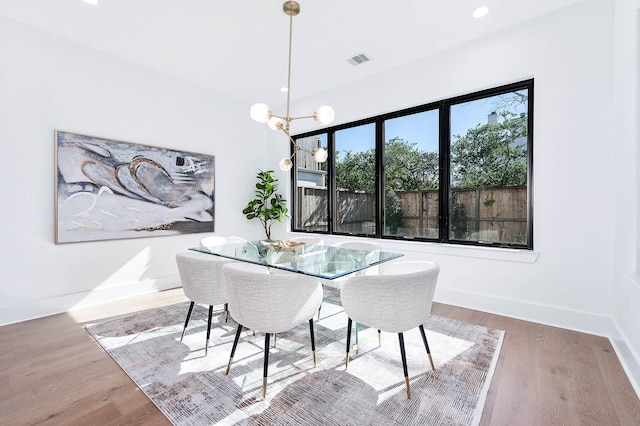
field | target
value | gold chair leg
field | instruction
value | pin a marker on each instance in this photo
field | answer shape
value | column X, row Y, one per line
column 184, row 330
column 406, row 382
column 264, row 388
column 226, row 373
column 206, row 348
column 346, row 361
column 314, row 359
column 433, row 367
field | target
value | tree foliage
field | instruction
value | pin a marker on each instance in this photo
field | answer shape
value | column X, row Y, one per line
column 489, row 155
column 407, row 168
column 356, row 172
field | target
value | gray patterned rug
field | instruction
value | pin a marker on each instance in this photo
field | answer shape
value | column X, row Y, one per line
column 191, row 389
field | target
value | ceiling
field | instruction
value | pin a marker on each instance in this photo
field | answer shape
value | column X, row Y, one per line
column 239, row 48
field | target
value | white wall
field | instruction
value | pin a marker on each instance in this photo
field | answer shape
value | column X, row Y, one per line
column 626, row 137
column 579, row 189
column 48, row 83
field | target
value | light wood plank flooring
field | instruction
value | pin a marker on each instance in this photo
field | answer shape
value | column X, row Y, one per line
column 53, row 372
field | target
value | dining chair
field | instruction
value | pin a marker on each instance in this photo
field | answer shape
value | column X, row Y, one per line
column 218, row 240
column 308, row 255
column 269, row 303
column 201, row 279
column 397, row 300
column 372, row 247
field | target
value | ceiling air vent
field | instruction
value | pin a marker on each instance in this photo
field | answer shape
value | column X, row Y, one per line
column 359, row 59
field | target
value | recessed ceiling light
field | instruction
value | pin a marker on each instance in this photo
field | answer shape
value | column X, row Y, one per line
column 91, row 2
column 284, row 89
column 480, row 12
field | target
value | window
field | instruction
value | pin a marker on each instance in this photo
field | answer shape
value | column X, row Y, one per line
column 455, row 171
column 311, row 209
column 412, row 175
column 355, row 201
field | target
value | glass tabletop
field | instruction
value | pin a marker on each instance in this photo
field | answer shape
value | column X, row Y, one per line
column 317, row 260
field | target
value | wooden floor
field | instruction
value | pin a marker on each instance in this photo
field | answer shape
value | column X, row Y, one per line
column 53, row 372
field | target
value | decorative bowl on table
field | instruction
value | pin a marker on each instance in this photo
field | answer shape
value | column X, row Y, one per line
column 283, row 246
column 283, row 251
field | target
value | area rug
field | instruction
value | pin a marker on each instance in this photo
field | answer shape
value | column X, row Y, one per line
column 192, row 389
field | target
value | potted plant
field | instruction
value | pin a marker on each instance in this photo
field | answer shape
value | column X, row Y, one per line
column 268, row 206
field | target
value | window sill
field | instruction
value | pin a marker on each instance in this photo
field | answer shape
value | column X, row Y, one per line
column 493, row 253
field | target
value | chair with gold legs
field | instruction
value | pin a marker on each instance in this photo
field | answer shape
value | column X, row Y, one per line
column 269, row 303
column 201, row 277
column 397, row 300
column 373, row 255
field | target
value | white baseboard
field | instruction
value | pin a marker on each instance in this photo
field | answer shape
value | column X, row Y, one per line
column 584, row 322
column 628, row 358
column 32, row 309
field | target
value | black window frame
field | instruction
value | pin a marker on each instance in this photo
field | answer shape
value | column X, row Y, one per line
column 443, row 107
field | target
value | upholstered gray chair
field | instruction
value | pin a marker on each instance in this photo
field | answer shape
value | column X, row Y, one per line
column 372, row 247
column 396, row 300
column 218, row 240
column 269, row 303
column 360, row 245
column 201, row 276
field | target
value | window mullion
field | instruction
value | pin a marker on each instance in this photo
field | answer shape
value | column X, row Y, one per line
column 380, row 179
column 445, row 145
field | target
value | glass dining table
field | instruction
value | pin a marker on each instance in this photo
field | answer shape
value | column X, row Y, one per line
column 318, row 260
column 328, row 263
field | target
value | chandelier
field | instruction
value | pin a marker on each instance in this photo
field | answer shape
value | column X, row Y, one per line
column 261, row 112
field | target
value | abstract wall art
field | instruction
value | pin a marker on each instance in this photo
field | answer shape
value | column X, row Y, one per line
column 108, row 189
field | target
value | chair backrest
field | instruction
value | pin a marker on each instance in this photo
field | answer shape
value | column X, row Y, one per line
column 201, row 277
column 309, row 242
column 395, row 301
column 270, row 303
column 374, row 248
column 217, row 240
column 214, row 242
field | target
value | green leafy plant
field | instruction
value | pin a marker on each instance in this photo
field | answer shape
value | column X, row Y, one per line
column 268, row 206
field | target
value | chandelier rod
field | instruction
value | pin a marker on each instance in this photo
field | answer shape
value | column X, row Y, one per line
column 290, row 12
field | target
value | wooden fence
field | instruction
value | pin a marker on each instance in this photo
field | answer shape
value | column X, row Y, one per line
column 356, row 211
column 492, row 214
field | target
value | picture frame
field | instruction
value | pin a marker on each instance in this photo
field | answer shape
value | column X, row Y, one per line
column 107, row 189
